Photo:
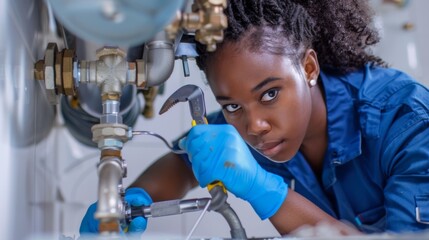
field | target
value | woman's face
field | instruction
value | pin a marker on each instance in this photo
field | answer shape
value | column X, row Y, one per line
column 264, row 97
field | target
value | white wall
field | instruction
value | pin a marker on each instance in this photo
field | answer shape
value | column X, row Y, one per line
column 401, row 48
column 27, row 172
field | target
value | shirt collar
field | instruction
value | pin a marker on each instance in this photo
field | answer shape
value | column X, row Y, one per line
column 344, row 134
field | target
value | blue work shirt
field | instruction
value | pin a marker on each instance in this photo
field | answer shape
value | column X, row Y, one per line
column 376, row 166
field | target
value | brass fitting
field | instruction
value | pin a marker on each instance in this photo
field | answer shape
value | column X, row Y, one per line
column 110, row 96
column 141, row 80
column 56, row 70
column 173, row 28
column 59, row 73
column 49, row 72
column 39, row 72
column 214, row 22
column 109, row 226
column 207, row 20
column 68, row 80
column 110, row 152
column 149, row 96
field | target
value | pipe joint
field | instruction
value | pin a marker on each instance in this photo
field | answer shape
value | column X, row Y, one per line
column 110, row 206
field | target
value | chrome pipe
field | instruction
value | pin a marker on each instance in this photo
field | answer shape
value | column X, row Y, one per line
column 111, row 112
column 159, row 57
column 110, row 178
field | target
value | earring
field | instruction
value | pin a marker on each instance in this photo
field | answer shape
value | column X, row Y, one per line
column 312, row 82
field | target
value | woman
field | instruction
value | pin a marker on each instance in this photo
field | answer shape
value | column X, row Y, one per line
column 305, row 105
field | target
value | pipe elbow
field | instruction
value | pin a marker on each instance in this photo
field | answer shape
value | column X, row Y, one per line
column 159, row 57
column 109, row 202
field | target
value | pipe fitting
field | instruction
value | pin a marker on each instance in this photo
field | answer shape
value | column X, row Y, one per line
column 208, row 21
column 49, row 72
column 119, row 132
column 109, row 206
column 110, row 143
column 39, row 71
column 141, row 80
column 111, row 70
column 158, row 60
column 68, row 77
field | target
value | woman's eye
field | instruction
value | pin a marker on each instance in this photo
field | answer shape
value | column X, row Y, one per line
column 231, row 107
column 269, row 95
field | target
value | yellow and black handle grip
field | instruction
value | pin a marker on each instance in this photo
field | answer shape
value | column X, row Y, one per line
column 215, row 183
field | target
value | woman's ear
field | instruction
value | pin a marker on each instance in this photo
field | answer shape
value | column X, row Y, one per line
column 311, row 67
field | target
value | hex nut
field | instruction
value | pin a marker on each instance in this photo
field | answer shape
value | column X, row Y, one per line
column 68, row 81
column 49, row 71
column 58, row 73
column 107, row 131
column 112, row 131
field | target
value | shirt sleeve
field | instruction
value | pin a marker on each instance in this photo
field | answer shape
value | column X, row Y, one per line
column 406, row 167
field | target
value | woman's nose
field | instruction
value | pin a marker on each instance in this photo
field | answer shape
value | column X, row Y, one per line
column 257, row 125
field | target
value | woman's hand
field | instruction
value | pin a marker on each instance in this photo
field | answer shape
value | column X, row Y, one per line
column 135, row 197
column 217, row 152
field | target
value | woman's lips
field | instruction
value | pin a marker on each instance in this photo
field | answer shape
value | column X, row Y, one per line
column 270, row 149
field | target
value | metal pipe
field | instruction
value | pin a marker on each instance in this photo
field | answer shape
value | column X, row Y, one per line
column 237, row 231
column 110, row 171
column 111, row 112
column 109, row 202
column 166, row 208
column 220, row 205
column 159, row 58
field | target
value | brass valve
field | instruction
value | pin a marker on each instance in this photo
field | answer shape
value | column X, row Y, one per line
column 207, row 20
column 149, row 96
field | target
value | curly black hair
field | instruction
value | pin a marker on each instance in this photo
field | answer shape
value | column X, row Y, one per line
column 340, row 31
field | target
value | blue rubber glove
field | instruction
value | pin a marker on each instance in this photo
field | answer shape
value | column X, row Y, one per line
column 135, row 197
column 89, row 224
column 217, row 152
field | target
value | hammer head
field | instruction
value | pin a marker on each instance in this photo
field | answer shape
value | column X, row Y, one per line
column 188, row 93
